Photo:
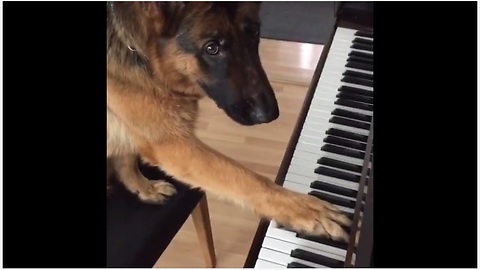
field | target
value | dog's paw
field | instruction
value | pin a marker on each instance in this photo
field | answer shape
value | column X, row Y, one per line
column 312, row 216
column 156, row 191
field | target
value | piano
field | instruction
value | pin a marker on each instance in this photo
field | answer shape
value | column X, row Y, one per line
column 330, row 153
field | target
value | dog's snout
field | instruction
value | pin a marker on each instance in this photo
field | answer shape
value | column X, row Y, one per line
column 259, row 115
column 255, row 110
column 264, row 113
column 264, row 109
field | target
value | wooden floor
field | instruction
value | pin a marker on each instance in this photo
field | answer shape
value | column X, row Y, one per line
column 289, row 67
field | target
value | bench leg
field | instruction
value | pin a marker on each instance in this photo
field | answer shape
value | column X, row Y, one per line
column 201, row 219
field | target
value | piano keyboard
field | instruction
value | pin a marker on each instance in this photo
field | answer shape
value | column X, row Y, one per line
column 328, row 158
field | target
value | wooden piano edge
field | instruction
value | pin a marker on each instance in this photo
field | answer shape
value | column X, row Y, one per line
column 356, row 218
column 263, row 225
column 353, row 17
column 364, row 257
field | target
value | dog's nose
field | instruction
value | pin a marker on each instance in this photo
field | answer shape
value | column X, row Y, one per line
column 264, row 114
column 258, row 115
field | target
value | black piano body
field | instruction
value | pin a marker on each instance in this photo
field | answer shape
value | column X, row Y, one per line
column 349, row 108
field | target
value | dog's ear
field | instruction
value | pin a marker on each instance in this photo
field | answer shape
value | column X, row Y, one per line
column 168, row 14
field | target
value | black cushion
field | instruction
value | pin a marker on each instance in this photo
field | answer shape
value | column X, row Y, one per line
column 138, row 233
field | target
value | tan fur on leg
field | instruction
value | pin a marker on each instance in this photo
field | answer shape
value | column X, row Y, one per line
column 151, row 191
column 214, row 172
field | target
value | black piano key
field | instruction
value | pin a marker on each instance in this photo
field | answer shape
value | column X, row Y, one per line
column 361, row 54
column 349, row 123
column 323, row 240
column 359, row 75
column 354, row 97
column 346, row 135
column 337, row 174
column 298, row 265
column 360, row 40
column 345, row 142
column 333, row 199
column 316, row 258
column 343, row 151
column 354, row 104
column 319, row 185
column 357, row 65
column 361, row 46
column 364, row 34
column 359, row 59
column 356, row 91
column 350, row 79
column 352, row 115
column 339, row 164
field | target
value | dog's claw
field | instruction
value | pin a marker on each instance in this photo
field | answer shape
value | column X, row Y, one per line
column 157, row 192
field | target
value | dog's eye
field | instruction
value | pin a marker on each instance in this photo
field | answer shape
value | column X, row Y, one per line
column 212, row 48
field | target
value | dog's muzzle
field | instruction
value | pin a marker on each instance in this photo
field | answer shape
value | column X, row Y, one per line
column 253, row 111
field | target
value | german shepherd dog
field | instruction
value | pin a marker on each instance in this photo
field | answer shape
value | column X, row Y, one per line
column 162, row 58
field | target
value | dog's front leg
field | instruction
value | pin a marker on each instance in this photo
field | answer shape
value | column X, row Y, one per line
column 191, row 161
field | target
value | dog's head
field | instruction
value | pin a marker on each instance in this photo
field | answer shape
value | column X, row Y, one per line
column 209, row 48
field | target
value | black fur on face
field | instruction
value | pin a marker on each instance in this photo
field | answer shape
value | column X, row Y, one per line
column 224, row 37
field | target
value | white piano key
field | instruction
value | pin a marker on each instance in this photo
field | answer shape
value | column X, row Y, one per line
column 279, row 233
column 330, row 87
column 357, row 86
column 318, row 134
column 318, row 141
column 346, row 49
column 283, row 259
column 328, row 91
column 287, row 247
column 312, row 165
column 320, row 116
column 320, row 153
column 294, row 171
column 303, row 162
column 338, row 83
column 305, row 180
column 320, row 112
column 344, row 68
column 322, row 126
column 265, row 264
column 331, row 106
column 345, row 34
column 304, row 154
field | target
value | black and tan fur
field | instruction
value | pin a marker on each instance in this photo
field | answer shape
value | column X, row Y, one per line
column 162, row 58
